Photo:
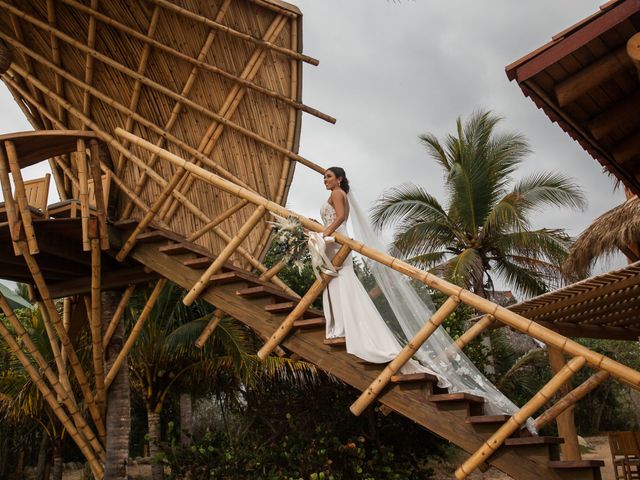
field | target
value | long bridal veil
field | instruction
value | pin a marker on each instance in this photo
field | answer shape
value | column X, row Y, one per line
column 410, row 312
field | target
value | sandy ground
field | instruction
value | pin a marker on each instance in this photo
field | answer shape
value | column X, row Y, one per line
column 599, row 450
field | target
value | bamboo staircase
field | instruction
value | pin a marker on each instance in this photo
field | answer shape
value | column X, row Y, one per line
column 458, row 417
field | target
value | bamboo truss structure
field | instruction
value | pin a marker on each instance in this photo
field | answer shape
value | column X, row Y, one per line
column 194, row 112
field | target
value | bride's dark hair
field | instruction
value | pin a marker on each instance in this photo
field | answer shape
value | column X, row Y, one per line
column 340, row 173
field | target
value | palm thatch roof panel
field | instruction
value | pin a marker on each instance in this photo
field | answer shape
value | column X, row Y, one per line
column 142, row 95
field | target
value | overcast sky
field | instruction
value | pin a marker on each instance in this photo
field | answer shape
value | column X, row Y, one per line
column 390, row 71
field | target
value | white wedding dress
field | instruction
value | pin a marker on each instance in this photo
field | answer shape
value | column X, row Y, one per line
column 350, row 312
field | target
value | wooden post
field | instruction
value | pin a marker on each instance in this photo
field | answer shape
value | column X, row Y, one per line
column 571, row 399
column 519, row 418
column 476, row 329
column 224, row 255
column 98, row 191
column 9, row 203
column 113, row 324
column 21, row 196
column 430, row 326
column 95, row 319
column 304, row 303
column 83, row 180
column 211, row 326
column 133, row 336
column 565, row 421
column 633, row 50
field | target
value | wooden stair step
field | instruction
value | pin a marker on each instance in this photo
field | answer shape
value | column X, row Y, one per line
column 571, row 464
column 414, row 377
column 231, row 277
column 455, row 397
column 264, row 290
column 483, row 419
column 198, row 263
column 181, row 248
column 286, row 307
column 310, row 323
column 153, row 236
column 335, row 342
column 126, row 224
column 542, row 440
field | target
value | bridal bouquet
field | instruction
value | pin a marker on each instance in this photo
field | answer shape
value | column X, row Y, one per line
column 290, row 240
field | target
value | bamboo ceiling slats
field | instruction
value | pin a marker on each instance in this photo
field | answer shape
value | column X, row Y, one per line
column 217, row 82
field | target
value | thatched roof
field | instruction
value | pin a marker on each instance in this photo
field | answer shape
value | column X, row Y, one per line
column 611, row 232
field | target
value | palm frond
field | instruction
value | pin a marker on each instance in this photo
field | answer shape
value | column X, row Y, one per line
column 550, row 189
column 407, row 201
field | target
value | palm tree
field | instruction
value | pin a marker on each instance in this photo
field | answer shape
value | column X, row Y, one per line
column 485, row 224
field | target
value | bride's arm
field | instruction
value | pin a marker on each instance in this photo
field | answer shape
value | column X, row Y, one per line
column 339, row 200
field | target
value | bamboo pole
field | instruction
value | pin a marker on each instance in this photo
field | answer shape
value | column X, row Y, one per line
column 66, row 321
column 98, row 191
column 571, row 399
column 211, row 326
column 149, row 216
column 519, row 418
column 229, row 107
column 633, row 50
column 144, row 80
column 302, row 306
column 217, row 221
column 55, row 406
column 244, row 36
column 21, row 197
column 95, row 322
column 274, row 270
column 476, row 329
column 224, row 255
column 88, row 65
column 9, row 203
column 55, row 54
column 133, row 336
column 81, row 164
column 113, row 323
column 76, row 367
column 430, row 326
column 518, row 322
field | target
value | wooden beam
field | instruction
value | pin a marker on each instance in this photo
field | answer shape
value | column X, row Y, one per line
column 620, row 114
column 591, row 76
column 110, row 280
column 627, row 150
column 633, row 50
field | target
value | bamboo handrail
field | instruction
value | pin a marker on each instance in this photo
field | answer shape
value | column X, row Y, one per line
column 223, row 28
column 519, row 418
column 117, row 315
column 198, row 62
column 95, row 323
column 224, row 255
column 133, row 336
column 430, row 326
column 208, row 330
column 21, row 197
column 148, row 218
column 518, row 322
column 61, row 392
column 55, row 406
column 76, row 367
column 98, row 191
column 146, row 81
column 472, row 332
column 571, row 399
column 83, row 180
column 303, row 304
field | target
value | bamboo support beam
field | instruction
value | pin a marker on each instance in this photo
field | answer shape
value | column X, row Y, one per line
column 305, row 302
column 53, row 403
column 273, row 271
column 76, row 367
column 217, row 221
column 569, row 400
column 95, row 322
column 55, row 54
column 149, row 216
column 21, row 197
column 519, row 418
column 244, row 36
column 98, row 192
column 9, row 203
column 208, row 330
column 83, row 180
column 512, row 319
column 430, row 326
column 113, row 323
column 133, row 336
column 224, row 255
column 62, row 394
column 476, row 329
column 88, row 65
column 144, row 80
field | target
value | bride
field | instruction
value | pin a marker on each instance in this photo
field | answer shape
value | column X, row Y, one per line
column 350, row 312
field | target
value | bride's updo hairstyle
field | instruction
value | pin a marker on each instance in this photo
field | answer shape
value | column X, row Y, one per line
column 340, row 173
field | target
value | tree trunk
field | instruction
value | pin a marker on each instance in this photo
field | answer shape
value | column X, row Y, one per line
column 42, row 456
column 186, row 420
column 153, row 420
column 56, row 473
column 118, row 412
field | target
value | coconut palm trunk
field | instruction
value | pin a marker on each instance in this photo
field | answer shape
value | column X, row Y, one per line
column 56, row 471
column 118, row 414
column 153, row 421
column 43, row 454
column 186, row 419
